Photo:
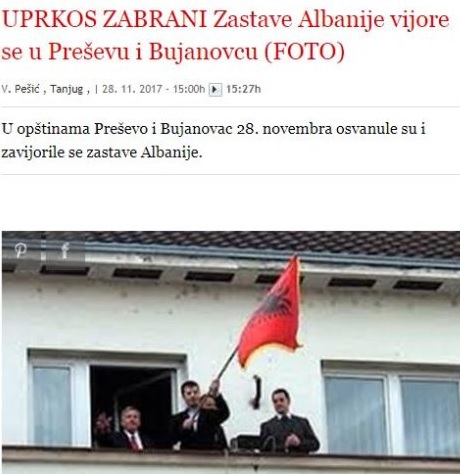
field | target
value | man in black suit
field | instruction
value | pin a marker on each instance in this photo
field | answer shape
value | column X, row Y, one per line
column 196, row 427
column 128, row 438
column 286, row 432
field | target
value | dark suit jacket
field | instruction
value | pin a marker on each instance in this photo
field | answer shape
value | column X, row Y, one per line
column 273, row 434
column 120, row 440
column 220, row 439
column 207, row 427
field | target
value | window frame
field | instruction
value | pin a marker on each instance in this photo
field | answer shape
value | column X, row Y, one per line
column 362, row 374
column 394, row 410
column 80, row 388
column 424, row 377
column 77, row 371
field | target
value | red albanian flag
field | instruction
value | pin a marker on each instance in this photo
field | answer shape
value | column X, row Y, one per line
column 276, row 320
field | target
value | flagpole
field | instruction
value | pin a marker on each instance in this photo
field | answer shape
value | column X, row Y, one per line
column 227, row 363
column 219, row 376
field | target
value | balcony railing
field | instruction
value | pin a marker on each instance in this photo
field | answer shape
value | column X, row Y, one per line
column 37, row 460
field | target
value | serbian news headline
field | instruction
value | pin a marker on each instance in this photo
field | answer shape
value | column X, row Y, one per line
column 306, row 44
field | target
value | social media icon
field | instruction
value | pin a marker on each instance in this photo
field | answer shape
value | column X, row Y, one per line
column 21, row 249
column 65, row 250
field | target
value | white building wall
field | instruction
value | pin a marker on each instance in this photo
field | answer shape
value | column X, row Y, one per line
column 203, row 322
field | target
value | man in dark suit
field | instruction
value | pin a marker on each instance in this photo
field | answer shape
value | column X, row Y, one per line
column 128, row 438
column 286, row 432
column 196, row 427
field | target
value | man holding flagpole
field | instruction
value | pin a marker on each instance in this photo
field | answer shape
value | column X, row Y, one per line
column 196, row 427
column 274, row 322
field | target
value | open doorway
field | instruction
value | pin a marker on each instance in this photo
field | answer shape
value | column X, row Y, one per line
column 149, row 390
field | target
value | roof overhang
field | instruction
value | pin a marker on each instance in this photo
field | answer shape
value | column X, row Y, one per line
column 230, row 266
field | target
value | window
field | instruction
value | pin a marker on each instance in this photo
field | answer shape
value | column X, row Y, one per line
column 431, row 417
column 52, row 414
column 393, row 413
column 148, row 389
column 58, row 410
column 68, row 393
column 356, row 415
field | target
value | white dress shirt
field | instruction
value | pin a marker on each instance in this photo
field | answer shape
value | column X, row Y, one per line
column 194, row 413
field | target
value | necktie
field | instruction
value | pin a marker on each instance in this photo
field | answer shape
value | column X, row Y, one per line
column 133, row 443
column 284, row 427
column 194, row 416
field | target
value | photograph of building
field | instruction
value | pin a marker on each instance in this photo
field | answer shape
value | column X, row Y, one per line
column 94, row 322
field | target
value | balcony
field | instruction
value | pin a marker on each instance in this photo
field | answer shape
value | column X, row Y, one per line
column 36, row 460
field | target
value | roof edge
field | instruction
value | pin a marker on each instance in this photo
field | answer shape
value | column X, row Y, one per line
column 219, row 252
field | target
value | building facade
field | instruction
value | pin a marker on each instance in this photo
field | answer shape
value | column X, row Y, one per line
column 95, row 321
